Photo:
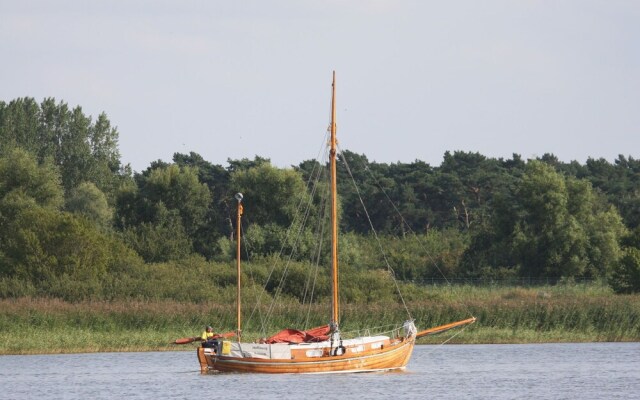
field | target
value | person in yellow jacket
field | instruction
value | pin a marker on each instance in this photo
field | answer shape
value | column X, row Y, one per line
column 209, row 339
column 207, row 334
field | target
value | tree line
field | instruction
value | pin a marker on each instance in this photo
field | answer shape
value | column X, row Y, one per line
column 72, row 214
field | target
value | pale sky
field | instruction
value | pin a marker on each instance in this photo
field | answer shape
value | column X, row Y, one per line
column 235, row 79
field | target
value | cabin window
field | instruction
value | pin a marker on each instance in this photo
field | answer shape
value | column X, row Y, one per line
column 357, row 349
column 377, row 345
column 314, row 353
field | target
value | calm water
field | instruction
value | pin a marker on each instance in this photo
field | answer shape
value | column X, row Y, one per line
column 544, row 371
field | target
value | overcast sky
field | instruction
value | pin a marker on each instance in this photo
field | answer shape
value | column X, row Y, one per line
column 235, row 79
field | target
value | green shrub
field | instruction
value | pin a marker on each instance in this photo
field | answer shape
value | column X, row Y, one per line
column 626, row 273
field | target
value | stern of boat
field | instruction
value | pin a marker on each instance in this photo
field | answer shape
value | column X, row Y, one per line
column 202, row 359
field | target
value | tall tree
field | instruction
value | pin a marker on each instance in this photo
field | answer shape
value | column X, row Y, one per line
column 550, row 226
column 19, row 125
column 43, row 245
column 276, row 201
column 89, row 201
column 168, row 200
column 274, row 195
column 83, row 150
column 219, row 214
column 106, row 171
column 21, row 177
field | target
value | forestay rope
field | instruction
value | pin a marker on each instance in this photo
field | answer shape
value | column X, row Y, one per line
column 375, row 234
column 405, row 223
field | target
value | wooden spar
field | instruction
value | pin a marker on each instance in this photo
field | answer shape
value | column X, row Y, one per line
column 186, row 340
column 225, row 335
column 239, row 271
column 334, row 210
column 442, row 328
column 198, row 338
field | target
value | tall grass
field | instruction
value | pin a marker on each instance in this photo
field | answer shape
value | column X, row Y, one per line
column 505, row 315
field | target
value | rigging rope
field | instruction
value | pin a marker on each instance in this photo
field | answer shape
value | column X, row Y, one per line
column 375, row 233
column 415, row 235
column 323, row 212
column 301, row 222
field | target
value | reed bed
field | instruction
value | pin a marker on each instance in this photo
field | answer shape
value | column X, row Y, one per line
column 505, row 315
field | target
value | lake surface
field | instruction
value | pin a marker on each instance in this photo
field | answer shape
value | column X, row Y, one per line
column 540, row 371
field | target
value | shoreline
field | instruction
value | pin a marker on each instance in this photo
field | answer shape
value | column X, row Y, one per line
column 469, row 338
column 177, row 349
column 505, row 316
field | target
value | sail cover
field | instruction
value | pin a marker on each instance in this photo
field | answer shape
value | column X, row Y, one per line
column 318, row 334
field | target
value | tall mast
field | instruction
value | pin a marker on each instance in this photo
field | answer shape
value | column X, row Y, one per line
column 334, row 209
column 238, row 197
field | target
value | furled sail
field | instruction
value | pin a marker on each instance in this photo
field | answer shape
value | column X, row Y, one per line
column 318, row 334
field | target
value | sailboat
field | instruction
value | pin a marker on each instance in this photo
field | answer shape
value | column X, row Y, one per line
column 322, row 349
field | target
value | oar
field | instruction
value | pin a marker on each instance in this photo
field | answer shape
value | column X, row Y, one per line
column 198, row 338
column 224, row 335
column 186, row 340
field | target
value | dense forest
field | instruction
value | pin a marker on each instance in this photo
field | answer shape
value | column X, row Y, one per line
column 77, row 223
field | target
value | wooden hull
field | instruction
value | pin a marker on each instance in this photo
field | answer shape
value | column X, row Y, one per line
column 394, row 354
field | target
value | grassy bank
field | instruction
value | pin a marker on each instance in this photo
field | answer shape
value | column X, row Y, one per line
column 505, row 315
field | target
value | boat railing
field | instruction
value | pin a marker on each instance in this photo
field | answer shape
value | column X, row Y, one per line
column 383, row 330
